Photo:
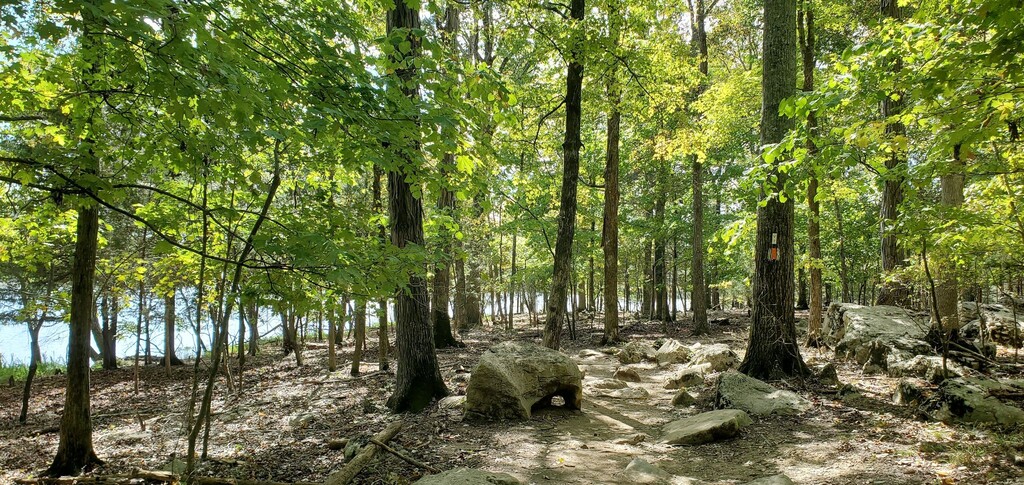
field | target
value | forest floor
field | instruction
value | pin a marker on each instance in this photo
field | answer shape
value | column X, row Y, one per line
column 280, row 424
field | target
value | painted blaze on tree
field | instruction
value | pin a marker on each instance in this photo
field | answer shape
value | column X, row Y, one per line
column 773, row 352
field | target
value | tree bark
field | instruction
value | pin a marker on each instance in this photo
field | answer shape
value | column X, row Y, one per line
column 418, row 377
column 892, row 292
column 170, row 358
column 570, row 174
column 772, row 352
column 947, row 290
column 75, row 451
column 360, row 338
column 805, row 30
column 33, row 366
column 698, row 298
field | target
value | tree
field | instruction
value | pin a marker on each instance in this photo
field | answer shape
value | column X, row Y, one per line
column 805, row 30
column 892, row 292
column 418, row 377
column 773, row 351
column 698, row 299
column 570, row 175
column 610, row 228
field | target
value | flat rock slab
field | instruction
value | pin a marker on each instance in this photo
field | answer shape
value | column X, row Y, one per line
column 706, row 427
column 625, row 393
column 513, row 377
column 976, row 400
column 759, row 398
column 468, row 476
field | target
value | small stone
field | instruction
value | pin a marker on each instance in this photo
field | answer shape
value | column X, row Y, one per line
column 338, row 444
column 828, row 375
column 683, row 399
column 452, row 402
column 607, row 384
column 633, row 440
column 688, row 377
column 627, row 374
column 640, row 471
column 779, row 479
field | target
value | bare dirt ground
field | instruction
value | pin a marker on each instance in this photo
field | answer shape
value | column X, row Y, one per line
column 278, row 425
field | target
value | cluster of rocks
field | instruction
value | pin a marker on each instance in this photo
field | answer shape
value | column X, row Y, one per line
column 892, row 340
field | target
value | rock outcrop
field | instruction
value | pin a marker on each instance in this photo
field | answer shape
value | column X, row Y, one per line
column 976, row 400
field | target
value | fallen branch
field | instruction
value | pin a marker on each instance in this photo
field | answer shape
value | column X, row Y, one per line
column 353, row 467
column 148, row 475
column 407, row 459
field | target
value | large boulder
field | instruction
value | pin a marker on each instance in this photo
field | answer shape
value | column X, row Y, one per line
column 672, row 352
column 705, row 427
column 514, row 377
column 759, row 398
column 718, row 357
column 977, row 400
column 876, row 336
column 1003, row 324
column 468, row 476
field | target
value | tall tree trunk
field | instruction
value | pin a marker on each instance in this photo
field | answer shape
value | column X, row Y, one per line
column 892, row 292
column 844, row 274
column 33, row 365
column 801, row 294
column 647, row 301
column 698, row 298
column 418, row 377
column 570, row 174
column 109, row 334
column 360, row 339
column 661, row 312
column 383, row 342
column 169, row 326
column 442, row 322
column 772, row 351
column 610, row 228
column 252, row 319
column 805, row 31
column 947, row 291
column 74, row 451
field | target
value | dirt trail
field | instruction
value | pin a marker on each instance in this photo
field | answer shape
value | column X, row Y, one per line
column 280, row 426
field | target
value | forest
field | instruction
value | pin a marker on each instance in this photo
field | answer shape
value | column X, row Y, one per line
column 277, row 242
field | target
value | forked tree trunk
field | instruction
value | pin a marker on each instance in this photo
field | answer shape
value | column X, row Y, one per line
column 418, row 377
column 570, row 175
column 772, row 352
